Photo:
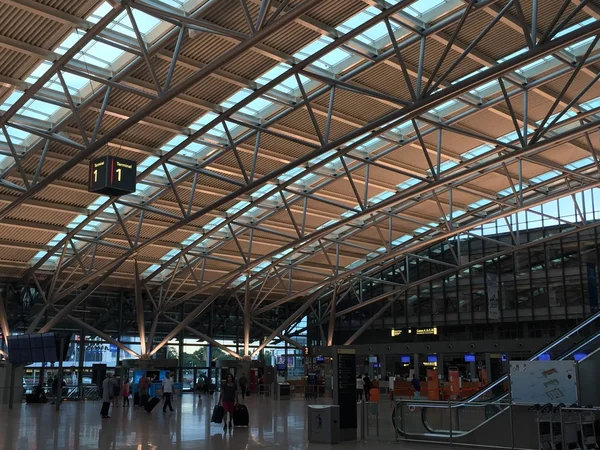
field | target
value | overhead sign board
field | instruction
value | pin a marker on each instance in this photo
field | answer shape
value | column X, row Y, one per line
column 112, row 176
column 417, row 331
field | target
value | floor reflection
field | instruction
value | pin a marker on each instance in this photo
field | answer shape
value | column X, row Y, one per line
column 78, row 426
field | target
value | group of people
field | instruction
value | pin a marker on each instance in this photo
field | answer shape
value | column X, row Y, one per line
column 110, row 392
column 364, row 384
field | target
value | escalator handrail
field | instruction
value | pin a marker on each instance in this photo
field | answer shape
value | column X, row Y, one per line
column 537, row 354
column 564, row 356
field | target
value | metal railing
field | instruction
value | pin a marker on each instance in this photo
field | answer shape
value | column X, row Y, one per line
column 513, row 425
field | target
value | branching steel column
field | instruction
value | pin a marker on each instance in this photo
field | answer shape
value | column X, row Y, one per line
column 286, row 323
column 4, row 321
column 331, row 328
column 102, row 335
column 247, row 317
column 208, row 339
column 139, row 308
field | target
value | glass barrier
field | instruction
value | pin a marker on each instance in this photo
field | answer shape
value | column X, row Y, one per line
column 559, row 349
column 507, row 426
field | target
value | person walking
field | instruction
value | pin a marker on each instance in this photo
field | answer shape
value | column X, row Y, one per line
column 416, row 385
column 367, row 385
column 228, row 399
column 143, row 386
column 107, row 394
column 125, row 392
column 360, row 387
column 167, row 387
column 243, row 385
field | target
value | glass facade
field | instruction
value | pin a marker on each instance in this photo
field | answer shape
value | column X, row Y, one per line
column 544, row 263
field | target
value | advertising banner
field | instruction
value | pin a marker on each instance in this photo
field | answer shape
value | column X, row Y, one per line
column 492, row 294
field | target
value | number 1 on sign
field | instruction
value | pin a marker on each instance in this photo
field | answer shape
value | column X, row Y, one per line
column 95, row 175
column 118, row 174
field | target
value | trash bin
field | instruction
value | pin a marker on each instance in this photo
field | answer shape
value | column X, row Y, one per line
column 324, row 424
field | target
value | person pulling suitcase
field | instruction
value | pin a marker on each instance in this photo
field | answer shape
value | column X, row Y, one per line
column 228, row 400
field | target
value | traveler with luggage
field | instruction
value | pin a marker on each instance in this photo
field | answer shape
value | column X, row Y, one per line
column 243, row 385
column 107, row 395
column 167, row 387
column 125, row 392
column 143, row 386
column 228, row 399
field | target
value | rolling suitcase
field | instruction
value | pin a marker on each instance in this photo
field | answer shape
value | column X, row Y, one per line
column 136, row 399
column 152, row 404
column 241, row 418
column 218, row 414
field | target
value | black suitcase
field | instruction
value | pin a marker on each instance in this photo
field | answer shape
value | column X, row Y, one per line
column 152, row 404
column 136, row 399
column 241, row 418
column 218, row 414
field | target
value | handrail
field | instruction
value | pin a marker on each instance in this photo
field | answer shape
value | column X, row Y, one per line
column 550, row 346
column 496, row 401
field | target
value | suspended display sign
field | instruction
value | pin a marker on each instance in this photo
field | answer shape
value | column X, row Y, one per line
column 112, row 176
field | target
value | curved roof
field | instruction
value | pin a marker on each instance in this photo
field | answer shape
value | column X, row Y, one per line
column 282, row 147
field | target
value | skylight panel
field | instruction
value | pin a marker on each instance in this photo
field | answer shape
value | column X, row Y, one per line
column 192, row 150
column 446, row 165
column 16, row 136
column 12, row 98
column 291, row 173
column 38, row 109
column 545, row 176
column 422, row 7
column 509, row 190
column 580, row 163
column 144, row 22
column 289, row 85
column 475, row 72
column 237, row 207
column 327, row 61
column 401, row 240
column 256, row 107
column 591, row 104
column 573, row 28
column 91, row 226
column 380, row 197
column 328, row 223
column 477, row 151
column 408, row 183
column 480, row 203
column 513, row 55
column 263, row 190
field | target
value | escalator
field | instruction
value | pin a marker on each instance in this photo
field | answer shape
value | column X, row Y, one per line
column 487, row 410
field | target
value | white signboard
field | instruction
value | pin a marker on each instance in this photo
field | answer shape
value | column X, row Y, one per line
column 543, row 382
column 492, row 293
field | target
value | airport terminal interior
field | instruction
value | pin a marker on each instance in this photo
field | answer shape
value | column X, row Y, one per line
column 299, row 224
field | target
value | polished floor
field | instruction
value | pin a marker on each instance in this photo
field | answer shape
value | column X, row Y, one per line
column 78, row 426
